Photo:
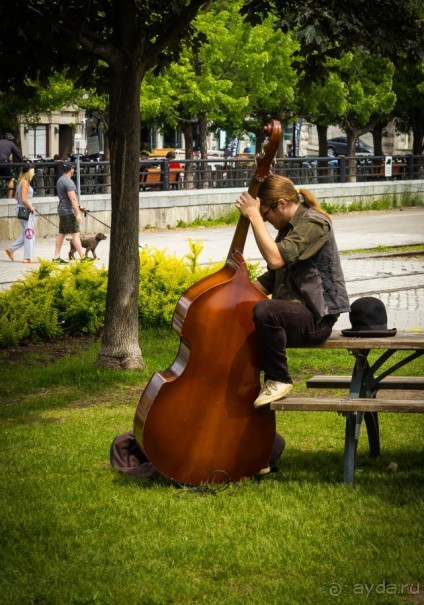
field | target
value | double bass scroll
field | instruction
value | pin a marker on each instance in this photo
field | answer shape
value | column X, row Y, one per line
column 195, row 421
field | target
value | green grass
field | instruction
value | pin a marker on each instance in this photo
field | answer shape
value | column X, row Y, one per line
column 229, row 218
column 405, row 199
column 388, row 202
column 75, row 531
column 418, row 248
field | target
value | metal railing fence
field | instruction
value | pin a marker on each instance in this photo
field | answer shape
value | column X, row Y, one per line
column 158, row 175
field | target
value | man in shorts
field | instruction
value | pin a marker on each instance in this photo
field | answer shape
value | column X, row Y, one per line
column 70, row 216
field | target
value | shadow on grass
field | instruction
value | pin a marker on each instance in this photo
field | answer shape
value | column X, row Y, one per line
column 327, row 467
column 323, row 468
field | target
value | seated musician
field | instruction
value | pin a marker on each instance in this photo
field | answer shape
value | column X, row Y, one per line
column 304, row 277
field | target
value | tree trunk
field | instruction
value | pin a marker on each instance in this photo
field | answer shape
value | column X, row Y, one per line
column 417, row 122
column 187, row 128
column 326, row 172
column 377, row 137
column 203, row 134
column 120, row 342
column 352, row 136
column 259, row 138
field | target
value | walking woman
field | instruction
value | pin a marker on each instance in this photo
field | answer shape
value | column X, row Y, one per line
column 24, row 193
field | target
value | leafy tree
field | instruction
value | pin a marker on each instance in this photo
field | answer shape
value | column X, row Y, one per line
column 108, row 45
column 237, row 79
column 391, row 26
column 59, row 92
column 369, row 85
column 409, row 87
column 326, row 32
column 356, row 94
column 195, row 90
column 323, row 102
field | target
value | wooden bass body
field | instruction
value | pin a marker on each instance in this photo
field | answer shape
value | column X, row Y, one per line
column 202, row 426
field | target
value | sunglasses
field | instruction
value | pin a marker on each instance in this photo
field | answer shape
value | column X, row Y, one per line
column 273, row 207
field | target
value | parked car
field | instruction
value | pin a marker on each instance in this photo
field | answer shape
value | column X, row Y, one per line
column 338, row 146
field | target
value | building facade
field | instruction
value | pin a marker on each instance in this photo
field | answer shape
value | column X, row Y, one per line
column 62, row 134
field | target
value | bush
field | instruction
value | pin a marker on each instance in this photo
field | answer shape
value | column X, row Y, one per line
column 164, row 278
column 54, row 300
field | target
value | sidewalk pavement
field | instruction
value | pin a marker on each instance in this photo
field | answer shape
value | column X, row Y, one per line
column 397, row 280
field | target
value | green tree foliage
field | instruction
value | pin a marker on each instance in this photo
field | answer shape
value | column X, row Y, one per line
column 409, row 88
column 107, row 45
column 323, row 102
column 237, row 71
column 368, row 81
column 60, row 91
column 393, row 28
column 335, row 27
column 357, row 94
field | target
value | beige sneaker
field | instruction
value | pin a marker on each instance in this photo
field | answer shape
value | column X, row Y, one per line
column 264, row 471
column 271, row 391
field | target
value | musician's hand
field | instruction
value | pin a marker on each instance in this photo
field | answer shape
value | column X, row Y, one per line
column 247, row 205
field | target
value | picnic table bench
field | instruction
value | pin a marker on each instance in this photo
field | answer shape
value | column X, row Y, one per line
column 363, row 386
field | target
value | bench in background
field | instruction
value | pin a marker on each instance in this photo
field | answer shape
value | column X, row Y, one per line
column 151, row 179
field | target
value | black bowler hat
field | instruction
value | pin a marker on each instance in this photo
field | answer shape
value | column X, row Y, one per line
column 368, row 318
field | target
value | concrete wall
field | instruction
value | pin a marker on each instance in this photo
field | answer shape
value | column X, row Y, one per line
column 164, row 209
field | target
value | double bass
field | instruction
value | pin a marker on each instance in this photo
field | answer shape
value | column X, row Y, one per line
column 195, row 421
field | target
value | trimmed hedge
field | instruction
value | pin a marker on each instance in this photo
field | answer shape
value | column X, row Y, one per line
column 56, row 300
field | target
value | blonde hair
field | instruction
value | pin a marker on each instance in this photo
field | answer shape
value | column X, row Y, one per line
column 28, row 175
column 277, row 187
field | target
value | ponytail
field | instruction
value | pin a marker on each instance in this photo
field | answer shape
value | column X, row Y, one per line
column 312, row 202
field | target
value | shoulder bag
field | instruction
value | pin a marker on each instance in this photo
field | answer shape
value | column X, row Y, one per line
column 23, row 212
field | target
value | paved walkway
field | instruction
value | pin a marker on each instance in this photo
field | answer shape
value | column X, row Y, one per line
column 397, row 280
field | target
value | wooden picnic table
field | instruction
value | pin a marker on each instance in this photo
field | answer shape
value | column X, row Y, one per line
column 366, row 380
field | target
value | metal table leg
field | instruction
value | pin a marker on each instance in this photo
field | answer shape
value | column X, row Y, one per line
column 364, row 384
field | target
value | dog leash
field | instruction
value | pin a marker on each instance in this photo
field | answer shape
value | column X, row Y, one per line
column 47, row 219
column 85, row 211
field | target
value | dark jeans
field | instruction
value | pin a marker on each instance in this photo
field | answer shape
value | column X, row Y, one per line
column 281, row 324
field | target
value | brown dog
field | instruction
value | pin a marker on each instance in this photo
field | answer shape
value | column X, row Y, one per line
column 89, row 242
